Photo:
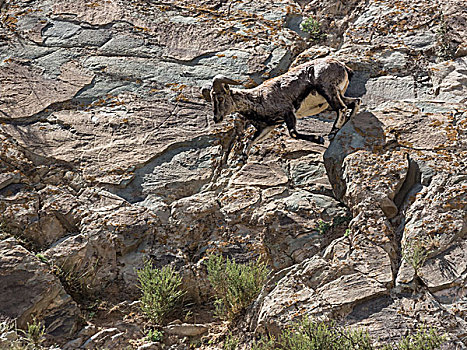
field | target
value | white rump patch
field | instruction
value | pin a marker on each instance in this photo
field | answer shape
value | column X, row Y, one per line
column 313, row 104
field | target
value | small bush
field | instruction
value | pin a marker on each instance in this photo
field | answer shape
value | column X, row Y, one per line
column 313, row 28
column 235, row 285
column 424, row 339
column 42, row 258
column 35, row 332
column 161, row 291
column 18, row 339
column 416, row 251
column 415, row 255
column 231, row 342
column 323, row 227
column 312, row 335
column 264, row 344
column 307, row 334
column 154, row 336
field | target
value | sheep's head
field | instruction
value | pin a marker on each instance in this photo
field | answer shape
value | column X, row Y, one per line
column 221, row 97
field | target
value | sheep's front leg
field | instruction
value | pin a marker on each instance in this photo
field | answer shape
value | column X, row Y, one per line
column 291, row 122
column 342, row 115
column 259, row 135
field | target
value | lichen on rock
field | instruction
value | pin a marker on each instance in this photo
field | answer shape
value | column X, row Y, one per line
column 109, row 157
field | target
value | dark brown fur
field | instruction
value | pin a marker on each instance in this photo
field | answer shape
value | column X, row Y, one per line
column 278, row 99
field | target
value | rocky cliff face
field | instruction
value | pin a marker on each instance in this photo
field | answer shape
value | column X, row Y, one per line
column 109, row 156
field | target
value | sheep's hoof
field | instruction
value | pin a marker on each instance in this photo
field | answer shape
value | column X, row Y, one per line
column 320, row 140
column 331, row 136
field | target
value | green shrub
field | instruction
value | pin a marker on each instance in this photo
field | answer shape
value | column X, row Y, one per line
column 231, row 342
column 160, row 289
column 323, row 227
column 307, row 334
column 424, row 339
column 29, row 339
column 35, row 332
column 264, row 344
column 312, row 335
column 235, row 285
column 313, row 28
column 416, row 251
column 42, row 258
column 154, row 336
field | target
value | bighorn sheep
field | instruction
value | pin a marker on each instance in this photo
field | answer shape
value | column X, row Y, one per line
column 305, row 90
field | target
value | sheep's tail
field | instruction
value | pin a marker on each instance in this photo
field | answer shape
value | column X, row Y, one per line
column 350, row 72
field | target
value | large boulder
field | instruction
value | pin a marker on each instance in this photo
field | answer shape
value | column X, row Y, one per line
column 29, row 289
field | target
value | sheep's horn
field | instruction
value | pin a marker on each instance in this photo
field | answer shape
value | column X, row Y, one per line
column 218, row 80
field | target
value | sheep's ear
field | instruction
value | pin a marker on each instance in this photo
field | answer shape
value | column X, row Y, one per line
column 206, row 92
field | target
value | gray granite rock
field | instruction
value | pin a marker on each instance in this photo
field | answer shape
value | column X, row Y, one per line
column 109, row 156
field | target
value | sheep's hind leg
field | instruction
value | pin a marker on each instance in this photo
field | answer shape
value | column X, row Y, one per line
column 291, row 122
column 342, row 116
column 353, row 103
column 333, row 98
